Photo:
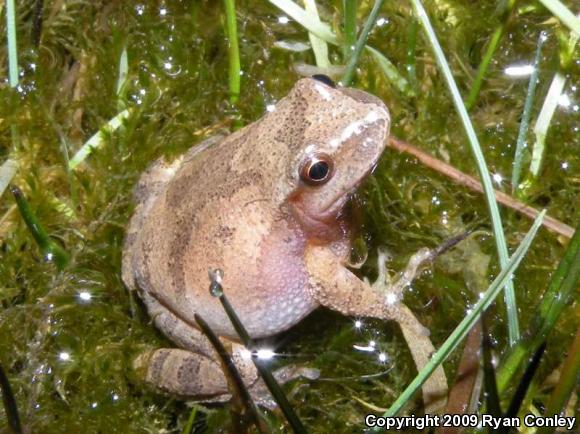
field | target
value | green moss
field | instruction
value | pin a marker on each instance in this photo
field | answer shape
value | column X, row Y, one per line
column 178, row 87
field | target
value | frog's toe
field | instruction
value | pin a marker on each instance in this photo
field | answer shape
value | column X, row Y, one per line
column 261, row 394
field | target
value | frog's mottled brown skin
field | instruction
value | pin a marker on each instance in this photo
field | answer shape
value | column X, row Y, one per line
column 239, row 204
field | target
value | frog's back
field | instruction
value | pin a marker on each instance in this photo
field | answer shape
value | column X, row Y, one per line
column 217, row 211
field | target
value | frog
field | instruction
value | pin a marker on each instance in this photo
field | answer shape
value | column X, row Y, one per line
column 265, row 204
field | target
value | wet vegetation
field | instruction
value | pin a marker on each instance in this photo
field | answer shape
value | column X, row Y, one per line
column 69, row 330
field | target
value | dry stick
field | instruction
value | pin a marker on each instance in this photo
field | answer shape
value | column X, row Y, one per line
column 470, row 182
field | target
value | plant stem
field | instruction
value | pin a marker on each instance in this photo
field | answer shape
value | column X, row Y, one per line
column 12, row 51
column 566, row 384
column 513, row 325
column 559, row 293
column 216, row 290
column 349, row 10
column 525, row 122
column 360, row 43
column 491, row 49
column 563, row 13
column 10, row 407
column 234, row 52
column 51, row 251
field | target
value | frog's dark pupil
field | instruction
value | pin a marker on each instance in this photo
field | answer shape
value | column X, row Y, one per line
column 324, row 79
column 318, row 171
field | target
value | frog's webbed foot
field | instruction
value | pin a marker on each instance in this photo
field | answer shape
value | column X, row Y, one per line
column 416, row 335
column 283, row 375
column 395, row 289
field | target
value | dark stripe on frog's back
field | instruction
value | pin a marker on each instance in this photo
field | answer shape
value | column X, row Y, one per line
column 291, row 131
column 200, row 182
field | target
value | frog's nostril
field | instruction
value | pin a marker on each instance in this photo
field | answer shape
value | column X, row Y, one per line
column 324, row 79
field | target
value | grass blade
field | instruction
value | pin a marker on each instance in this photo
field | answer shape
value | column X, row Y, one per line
column 491, row 396
column 525, row 383
column 10, row 407
column 563, row 13
column 514, row 332
column 11, row 37
column 349, row 8
column 559, row 293
column 97, row 139
column 469, row 321
column 547, row 112
column 525, row 122
column 37, row 22
column 489, row 52
column 360, row 43
column 565, row 386
column 216, row 290
column 51, row 251
column 234, row 51
column 391, row 72
column 320, row 29
column 323, row 31
column 7, row 172
column 122, row 79
column 319, row 45
column 12, row 60
column 544, row 120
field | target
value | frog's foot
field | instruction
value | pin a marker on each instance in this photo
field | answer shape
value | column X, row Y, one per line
column 261, row 394
column 394, row 290
column 416, row 335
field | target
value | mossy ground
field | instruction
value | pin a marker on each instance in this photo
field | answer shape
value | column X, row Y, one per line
column 177, row 86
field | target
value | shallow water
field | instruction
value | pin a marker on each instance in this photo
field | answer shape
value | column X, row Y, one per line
column 67, row 338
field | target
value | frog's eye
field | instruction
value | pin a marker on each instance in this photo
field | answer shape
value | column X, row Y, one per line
column 316, row 169
column 324, row 79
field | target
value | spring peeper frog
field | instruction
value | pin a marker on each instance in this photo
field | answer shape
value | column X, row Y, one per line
column 265, row 205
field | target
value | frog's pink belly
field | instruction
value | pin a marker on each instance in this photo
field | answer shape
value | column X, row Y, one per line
column 262, row 314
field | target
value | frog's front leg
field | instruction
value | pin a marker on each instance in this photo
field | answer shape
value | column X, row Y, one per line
column 334, row 286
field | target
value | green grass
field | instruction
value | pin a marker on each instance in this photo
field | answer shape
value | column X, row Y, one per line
column 457, row 336
column 403, row 207
column 485, row 177
column 233, row 51
column 526, row 116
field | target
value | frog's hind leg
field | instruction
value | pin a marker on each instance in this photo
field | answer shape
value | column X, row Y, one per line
column 150, row 185
column 194, row 371
column 197, row 372
column 180, row 372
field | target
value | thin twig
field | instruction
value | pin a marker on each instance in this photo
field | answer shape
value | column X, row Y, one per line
column 473, row 184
